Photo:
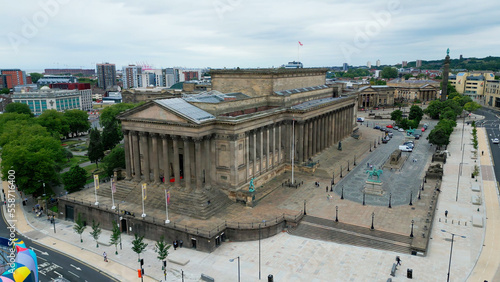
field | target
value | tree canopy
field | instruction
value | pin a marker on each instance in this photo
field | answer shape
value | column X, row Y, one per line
column 95, row 150
column 35, row 76
column 396, row 115
column 77, row 120
column 55, row 122
column 19, row 108
column 115, row 159
column 74, row 180
column 389, row 72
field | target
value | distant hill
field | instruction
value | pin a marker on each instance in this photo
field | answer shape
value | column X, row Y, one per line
column 489, row 63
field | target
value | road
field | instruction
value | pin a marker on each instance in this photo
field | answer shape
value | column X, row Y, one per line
column 492, row 126
column 54, row 264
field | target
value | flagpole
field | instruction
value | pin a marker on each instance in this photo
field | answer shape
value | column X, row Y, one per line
column 112, row 194
column 166, row 206
column 298, row 51
column 143, row 192
column 96, row 186
column 293, row 146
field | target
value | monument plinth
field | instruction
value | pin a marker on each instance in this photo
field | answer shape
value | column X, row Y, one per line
column 374, row 186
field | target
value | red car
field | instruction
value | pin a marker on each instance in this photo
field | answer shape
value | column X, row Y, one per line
column 423, row 129
column 389, row 126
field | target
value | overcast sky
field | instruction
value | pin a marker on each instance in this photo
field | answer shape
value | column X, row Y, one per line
column 40, row 34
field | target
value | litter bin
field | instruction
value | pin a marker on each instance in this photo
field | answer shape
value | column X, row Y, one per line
column 409, row 273
column 270, row 278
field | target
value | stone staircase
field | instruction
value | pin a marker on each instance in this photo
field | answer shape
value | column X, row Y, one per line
column 123, row 188
column 329, row 230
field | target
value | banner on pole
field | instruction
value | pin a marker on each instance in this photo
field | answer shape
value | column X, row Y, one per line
column 144, row 196
column 113, row 186
column 96, row 181
column 168, row 198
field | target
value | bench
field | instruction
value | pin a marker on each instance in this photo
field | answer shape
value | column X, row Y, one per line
column 207, row 278
column 393, row 270
column 179, row 261
column 104, row 244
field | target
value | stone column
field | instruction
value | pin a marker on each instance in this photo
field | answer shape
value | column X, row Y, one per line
column 261, row 150
column 137, row 156
column 166, row 161
column 306, row 140
column 154, row 158
column 213, row 159
column 198, row 161
column 208, row 167
column 301, row 142
column 279, row 142
column 254, row 153
column 315, row 136
column 274, row 146
column 175, row 158
column 247, row 155
column 145, row 154
column 128, row 164
column 267, row 147
column 310, row 138
column 233, row 159
column 187, row 163
column 330, row 129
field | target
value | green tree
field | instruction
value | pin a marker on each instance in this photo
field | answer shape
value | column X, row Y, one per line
column 389, row 72
column 35, row 76
column 448, row 114
column 138, row 245
column 115, row 159
column 111, row 136
column 416, row 113
column 68, row 154
column 79, row 226
column 396, row 115
column 454, row 105
column 115, row 236
column 96, row 232
column 19, row 108
column 55, row 122
column 408, row 76
column 161, row 248
column 439, row 137
column 434, row 109
column 77, row 120
column 95, row 149
column 6, row 117
column 4, row 91
column 109, row 114
column 74, row 180
column 471, row 106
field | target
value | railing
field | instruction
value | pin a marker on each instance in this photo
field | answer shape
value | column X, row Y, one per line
column 198, row 231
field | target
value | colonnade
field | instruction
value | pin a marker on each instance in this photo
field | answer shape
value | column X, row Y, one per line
column 152, row 157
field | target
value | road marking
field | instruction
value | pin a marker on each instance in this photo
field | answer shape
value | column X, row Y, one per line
column 73, row 274
column 60, row 275
column 41, row 258
column 43, row 253
column 77, row 268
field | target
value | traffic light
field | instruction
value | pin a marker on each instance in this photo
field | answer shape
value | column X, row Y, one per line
column 164, row 265
column 142, row 262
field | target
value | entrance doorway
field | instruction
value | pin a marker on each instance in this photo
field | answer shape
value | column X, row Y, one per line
column 193, row 243
column 181, row 165
column 70, row 213
column 123, row 225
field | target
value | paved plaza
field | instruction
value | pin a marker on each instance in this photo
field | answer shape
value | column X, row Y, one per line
column 294, row 258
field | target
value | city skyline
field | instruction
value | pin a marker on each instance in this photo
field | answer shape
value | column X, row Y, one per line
column 234, row 33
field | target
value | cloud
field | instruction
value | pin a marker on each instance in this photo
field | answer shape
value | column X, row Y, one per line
column 257, row 33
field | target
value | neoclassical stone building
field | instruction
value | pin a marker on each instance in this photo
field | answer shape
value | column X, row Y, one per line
column 240, row 130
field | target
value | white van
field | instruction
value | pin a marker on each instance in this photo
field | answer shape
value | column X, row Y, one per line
column 405, row 148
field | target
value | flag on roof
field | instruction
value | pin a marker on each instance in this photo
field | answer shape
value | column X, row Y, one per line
column 301, row 44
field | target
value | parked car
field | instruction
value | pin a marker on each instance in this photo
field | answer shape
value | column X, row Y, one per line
column 426, row 125
column 376, row 127
column 423, row 129
column 390, row 134
column 396, row 127
column 385, row 140
column 405, row 148
column 361, row 119
column 401, row 130
column 382, row 129
column 389, row 126
column 495, row 141
column 417, row 136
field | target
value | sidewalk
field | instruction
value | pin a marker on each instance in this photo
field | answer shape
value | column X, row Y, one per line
column 291, row 258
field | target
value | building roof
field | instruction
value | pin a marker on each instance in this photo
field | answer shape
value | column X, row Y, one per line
column 314, row 103
column 214, row 97
column 186, row 110
column 299, row 90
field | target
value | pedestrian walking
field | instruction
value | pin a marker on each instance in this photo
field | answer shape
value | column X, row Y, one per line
column 446, row 213
column 175, row 245
column 180, row 243
column 398, row 260
column 367, row 165
column 482, row 153
column 105, row 256
column 326, row 189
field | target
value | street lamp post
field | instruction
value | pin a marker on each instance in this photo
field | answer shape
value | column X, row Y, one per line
column 231, row 260
column 336, row 213
column 340, row 171
column 411, row 234
column 390, row 198
column 333, row 178
column 305, row 207
column 342, row 195
column 354, row 160
column 451, row 250
column 373, row 216
column 411, row 198
column 259, row 251
column 348, row 169
column 363, row 198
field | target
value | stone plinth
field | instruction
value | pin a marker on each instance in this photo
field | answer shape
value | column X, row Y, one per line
column 374, row 187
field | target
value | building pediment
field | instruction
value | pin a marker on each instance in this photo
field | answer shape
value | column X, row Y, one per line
column 156, row 112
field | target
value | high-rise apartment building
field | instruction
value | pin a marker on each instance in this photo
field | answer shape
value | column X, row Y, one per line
column 404, row 64
column 345, row 66
column 419, row 63
column 106, row 75
column 378, row 63
column 132, row 76
column 14, row 77
column 369, row 64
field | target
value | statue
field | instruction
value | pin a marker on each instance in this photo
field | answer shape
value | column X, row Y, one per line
column 251, row 187
column 340, row 146
column 448, row 52
column 374, row 173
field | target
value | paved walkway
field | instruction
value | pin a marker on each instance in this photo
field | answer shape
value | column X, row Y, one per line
column 291, row 258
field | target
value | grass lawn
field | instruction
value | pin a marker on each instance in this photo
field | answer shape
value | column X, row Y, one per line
column 100, row 106
column 76, row 160
column 69, row 142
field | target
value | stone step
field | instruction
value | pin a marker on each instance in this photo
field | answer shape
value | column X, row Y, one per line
column 329, row 230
